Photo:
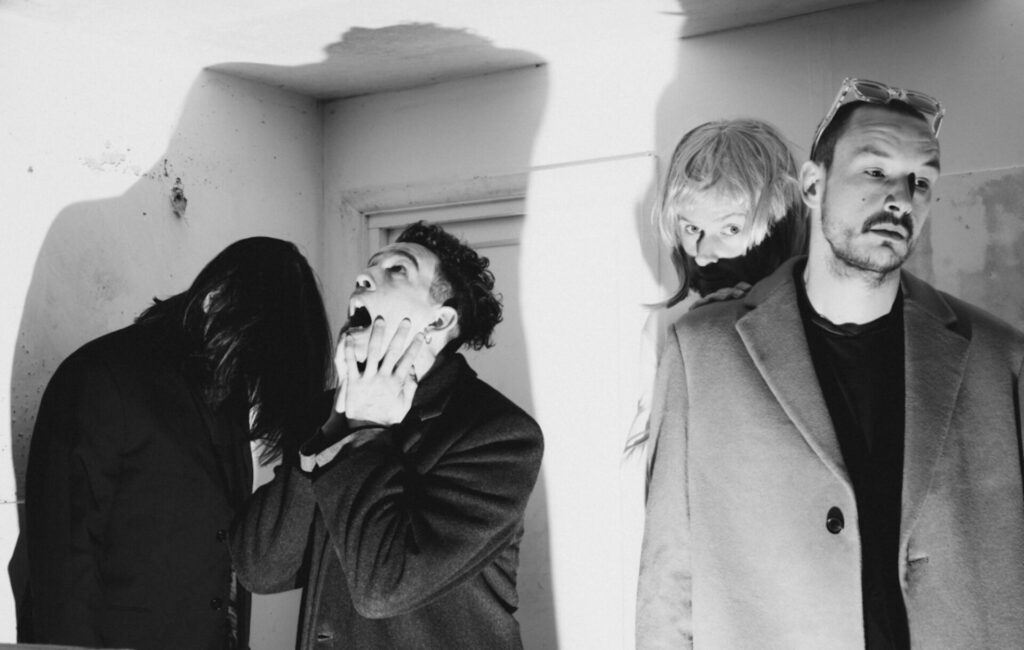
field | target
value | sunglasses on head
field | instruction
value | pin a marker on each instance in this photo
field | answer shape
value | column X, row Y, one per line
column 874, row 92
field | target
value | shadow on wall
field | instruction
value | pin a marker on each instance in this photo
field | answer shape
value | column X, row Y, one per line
column 242, row 155
column 102, row 262
column 410, row 56
column 415, row 56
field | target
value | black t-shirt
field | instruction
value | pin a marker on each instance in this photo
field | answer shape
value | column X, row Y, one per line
column 861, row 373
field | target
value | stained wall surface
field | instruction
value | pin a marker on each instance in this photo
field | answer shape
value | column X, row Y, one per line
column 95, row 141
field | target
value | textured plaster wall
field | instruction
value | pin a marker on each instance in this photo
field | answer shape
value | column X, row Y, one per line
column 94, row 140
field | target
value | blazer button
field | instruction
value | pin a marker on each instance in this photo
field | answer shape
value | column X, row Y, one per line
column 216, row 603
column 834, row 520
column 222, row 535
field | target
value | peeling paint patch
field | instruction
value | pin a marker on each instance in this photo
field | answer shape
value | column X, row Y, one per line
column 178, row 200
column 112, row 161
column 975, row 245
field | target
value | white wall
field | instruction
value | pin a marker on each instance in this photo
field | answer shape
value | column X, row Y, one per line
column 967, row 54
column 93, row 139
column 559, row 123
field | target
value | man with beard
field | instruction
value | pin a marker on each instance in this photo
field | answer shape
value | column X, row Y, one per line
column 839, row 453
column 402, row 517
column 140, row 456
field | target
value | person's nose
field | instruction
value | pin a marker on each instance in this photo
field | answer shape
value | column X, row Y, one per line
column 364, row 282
column 707, row 251
column 900, row 200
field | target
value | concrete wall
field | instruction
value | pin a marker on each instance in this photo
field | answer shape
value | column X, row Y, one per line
column 89, row 232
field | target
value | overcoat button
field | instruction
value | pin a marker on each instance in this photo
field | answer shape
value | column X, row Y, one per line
column 834, row 520
column 216, row 603
column 222, row 535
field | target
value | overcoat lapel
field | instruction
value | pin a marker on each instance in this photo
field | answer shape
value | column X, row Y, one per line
column 935, row 359
column 773, row 334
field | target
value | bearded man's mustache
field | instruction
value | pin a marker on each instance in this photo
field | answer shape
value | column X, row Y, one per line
column 904, row 221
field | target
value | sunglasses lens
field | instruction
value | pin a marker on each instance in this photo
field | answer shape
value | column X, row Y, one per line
column 923, row 103
column 873, row 91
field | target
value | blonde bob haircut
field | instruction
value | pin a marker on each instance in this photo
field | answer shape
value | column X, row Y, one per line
column 743, row 160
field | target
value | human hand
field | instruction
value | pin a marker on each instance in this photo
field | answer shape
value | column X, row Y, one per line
column 728, row 293
column 382, row 391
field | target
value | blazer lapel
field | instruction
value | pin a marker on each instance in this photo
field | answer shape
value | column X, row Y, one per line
column 773, row 334
column 935, row 360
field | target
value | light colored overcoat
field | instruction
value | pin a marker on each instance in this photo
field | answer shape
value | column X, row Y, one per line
column 747, row 466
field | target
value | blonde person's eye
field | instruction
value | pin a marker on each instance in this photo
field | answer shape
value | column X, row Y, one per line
column 732, row 229
column 690, row 229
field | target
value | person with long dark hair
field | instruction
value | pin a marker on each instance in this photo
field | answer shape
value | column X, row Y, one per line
column 141, row 454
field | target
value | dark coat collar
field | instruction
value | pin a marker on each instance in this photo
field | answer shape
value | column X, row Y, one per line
column 435, row 390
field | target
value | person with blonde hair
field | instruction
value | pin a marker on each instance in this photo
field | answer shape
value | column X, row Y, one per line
column 730, row 213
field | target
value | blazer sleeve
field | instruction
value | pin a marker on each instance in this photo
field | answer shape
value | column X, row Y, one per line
column 406, row 536
column 664, row 607
column 73, row 468
column 268, row 540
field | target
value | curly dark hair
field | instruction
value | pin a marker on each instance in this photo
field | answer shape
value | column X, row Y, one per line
column 463, row 282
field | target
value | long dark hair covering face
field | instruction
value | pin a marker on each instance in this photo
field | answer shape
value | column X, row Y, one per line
column 257, row 335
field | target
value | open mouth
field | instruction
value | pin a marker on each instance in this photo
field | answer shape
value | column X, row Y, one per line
column 359, row 318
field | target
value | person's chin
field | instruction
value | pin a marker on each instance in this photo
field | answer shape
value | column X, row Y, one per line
column 360, row 338
column 881, row 259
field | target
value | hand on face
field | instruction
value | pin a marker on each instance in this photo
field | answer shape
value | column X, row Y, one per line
column 379, row 387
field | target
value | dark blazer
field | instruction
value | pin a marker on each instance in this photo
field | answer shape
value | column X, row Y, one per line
column 412, row 544
column 131, row 488
column 742, row 547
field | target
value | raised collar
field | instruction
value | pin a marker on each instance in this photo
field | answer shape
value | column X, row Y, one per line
column 435, row 390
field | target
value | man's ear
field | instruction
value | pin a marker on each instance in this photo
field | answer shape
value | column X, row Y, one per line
column 447, row 319
column 812, row 180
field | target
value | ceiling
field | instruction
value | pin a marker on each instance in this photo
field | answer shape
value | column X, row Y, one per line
column 341, row 48
column 706, row 16
column 368, row 60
